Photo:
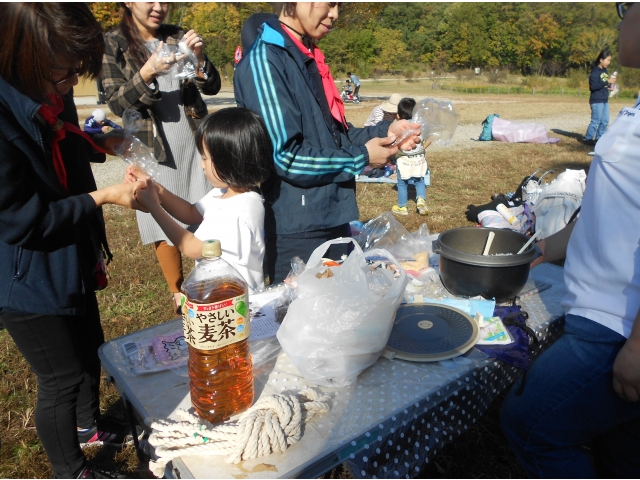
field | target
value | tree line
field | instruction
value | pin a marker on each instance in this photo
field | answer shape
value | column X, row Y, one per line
column 369, row 38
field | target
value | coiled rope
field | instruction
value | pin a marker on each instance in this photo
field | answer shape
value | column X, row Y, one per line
column 269, row 426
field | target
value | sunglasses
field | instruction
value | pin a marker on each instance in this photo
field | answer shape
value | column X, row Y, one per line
column 622, row 8
column 70, row 72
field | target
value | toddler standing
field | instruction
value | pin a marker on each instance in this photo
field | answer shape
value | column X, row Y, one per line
column 236, row 155
column 411, row 167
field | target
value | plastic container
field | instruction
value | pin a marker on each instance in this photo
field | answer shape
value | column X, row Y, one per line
column 215, row 306
column 389, row 170
column 507, row 215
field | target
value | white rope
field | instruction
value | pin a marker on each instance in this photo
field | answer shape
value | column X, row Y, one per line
column 269, row 426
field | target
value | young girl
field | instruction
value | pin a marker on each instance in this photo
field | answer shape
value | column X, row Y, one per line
column 236, row 157
column 411, row 167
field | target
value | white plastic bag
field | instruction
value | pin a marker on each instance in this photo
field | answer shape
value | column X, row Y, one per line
column 558, row 201
column 338, row 326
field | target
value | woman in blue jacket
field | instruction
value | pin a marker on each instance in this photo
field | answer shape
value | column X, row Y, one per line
column 52, row 238
column 599, row 82
column 310, row 197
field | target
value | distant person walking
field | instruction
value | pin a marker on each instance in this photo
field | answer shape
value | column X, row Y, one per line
column 356, row 84
column 599, row 83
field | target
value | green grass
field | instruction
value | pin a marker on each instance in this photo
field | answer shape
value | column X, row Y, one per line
column 137, row 296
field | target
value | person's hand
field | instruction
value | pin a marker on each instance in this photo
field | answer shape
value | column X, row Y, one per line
column 157, row 66
column 194, row 42
column 407, row 129
column 105, row 129
column 537, row 261
column 123, row 194
column 626, row 371
column 147, row 197
column 133, row 173
column 380, row 149
column 114, row 142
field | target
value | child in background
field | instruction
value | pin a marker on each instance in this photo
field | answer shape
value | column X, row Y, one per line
column 236, row 155
column 411, row 167
column 99, row 123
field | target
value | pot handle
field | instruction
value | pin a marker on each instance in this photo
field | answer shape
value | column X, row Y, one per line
column 435, row 247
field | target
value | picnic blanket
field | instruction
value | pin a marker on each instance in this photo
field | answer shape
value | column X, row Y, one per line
column 507, row 131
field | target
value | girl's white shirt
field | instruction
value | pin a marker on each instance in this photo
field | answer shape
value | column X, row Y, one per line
column 238, row 222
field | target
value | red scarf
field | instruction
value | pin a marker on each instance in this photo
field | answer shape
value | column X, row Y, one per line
column 330, row 90
column 50, row 115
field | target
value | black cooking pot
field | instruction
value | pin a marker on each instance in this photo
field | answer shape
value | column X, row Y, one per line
column 501, row 274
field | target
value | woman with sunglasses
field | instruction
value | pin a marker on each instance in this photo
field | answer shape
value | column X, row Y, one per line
column 135, row 77
column 585, row 389
column 52, row 240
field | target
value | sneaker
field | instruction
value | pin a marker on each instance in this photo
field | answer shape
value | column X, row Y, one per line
column 590, row 143
column 592, row 153
column 422, row 206
column 93, row 472
column 400, row 210
column 108, row 432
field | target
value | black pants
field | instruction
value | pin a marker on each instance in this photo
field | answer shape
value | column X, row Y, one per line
column 280, row 249
column 63, row 352
column 356, row 92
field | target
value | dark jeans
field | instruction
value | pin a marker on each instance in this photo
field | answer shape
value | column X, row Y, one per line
column 280, row 249
column 63, row 353
column 569, row 402
column 356, row 92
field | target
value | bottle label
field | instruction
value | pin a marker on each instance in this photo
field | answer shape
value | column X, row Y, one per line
column 215, row 325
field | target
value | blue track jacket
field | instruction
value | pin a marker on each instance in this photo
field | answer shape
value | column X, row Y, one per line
column 315, row 157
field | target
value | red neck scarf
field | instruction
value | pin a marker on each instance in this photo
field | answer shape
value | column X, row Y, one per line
column 330, row 90
column 50, row 115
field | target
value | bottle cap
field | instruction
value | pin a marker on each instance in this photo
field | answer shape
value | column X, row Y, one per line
column 211, row 248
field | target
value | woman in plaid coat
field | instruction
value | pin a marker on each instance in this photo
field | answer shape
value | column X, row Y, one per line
column 135, row 78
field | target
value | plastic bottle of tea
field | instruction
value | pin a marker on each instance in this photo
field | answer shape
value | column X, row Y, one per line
column 215, row 318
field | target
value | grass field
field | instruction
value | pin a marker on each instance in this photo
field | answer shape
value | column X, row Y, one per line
column 462, row 174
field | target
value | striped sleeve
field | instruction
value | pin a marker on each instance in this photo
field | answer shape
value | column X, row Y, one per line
column 266, row 90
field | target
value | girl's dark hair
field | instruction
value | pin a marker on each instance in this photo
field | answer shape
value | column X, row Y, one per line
column 405, row 108
column 239, row 146
column 601, row 56
column 35, row 35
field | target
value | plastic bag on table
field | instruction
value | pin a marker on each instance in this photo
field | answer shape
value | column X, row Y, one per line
column 558, row 202
column 186, row 63
column 132, row 150
column 291, row 288
column 341, row 319
column 411, row 250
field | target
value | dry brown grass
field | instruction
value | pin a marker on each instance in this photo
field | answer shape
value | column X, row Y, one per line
column 137, row 295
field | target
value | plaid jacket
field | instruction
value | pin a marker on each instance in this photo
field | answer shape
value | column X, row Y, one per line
column 125, row 88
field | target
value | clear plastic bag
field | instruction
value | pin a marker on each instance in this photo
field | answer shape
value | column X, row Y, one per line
column 411, row 250
column 438, row 119
column 132, row 150
column 340, row 321
column 186, row 63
